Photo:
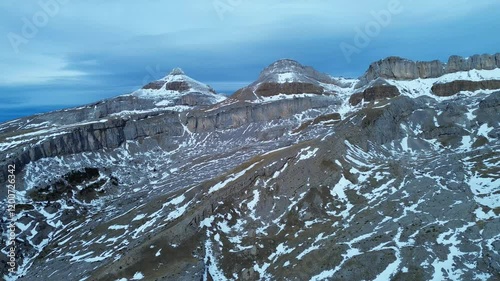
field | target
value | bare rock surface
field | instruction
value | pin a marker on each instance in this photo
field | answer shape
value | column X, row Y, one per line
column 403, row 69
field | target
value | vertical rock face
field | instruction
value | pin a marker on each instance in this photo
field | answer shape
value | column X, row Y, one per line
column 430, row 69
column 454, row 87
column 457, row 63
column 244, row 113
column 402, row 69
column 486, row 62
column 394, row 67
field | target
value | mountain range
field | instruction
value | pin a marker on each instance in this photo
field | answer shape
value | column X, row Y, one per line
column 300, row 175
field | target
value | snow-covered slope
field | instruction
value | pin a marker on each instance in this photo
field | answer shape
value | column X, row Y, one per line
column 423, row 87
column 177, row 90
column 447, row 86
column 286, row 186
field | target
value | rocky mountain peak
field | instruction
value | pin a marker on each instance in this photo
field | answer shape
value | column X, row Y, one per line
column 284, row 66
column 176, row 71
column 179, row 89
column 177, row 80
column 290, row 71
column 287, row 77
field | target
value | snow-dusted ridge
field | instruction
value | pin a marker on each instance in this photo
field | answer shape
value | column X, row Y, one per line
column 174, row 86
column 422, row 87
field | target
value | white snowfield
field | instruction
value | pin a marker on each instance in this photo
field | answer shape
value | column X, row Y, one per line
column 422, row 87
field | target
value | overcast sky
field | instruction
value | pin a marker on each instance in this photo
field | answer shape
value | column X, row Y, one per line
column 68, row 52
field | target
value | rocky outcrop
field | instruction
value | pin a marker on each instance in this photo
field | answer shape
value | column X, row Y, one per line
column 402, row 69
column 429, row 69
column 271, row 89
column 172, row 90
column 487, row 62
column 109, row 108
column 288, row 77
column 96, row 136
column 243, row 113
column 285, row 66
column 177, row 81
column 489, row 112
column 373, row 93
column 453, row 88
column 194, row 99
column 382, row 125
column 155, row 85
column 399, row 68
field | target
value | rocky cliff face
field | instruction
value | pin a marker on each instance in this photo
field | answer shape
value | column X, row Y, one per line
column 173, row 182
column 148, row 112
column 402, row 69
column 243, row 113
column 95, row 136
column 270, row 89
column 375, row 92
column 453, row 88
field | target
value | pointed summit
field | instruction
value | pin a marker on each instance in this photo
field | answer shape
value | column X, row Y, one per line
column 178, row 89
column 176, row 71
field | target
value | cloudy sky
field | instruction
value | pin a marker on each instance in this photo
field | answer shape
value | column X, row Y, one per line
column 61, row 53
